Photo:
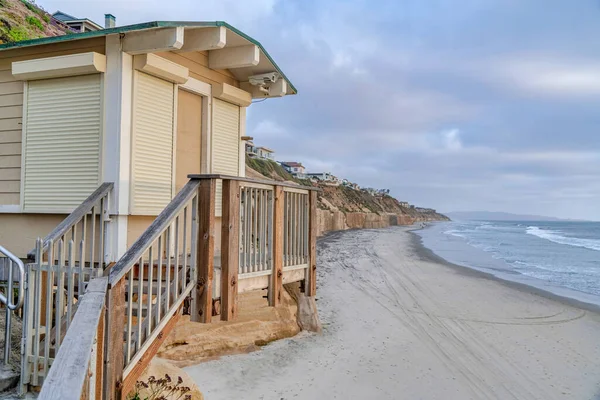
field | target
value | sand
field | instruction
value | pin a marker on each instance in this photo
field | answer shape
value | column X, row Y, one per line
column 401, row 324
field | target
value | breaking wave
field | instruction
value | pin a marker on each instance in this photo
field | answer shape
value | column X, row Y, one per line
column 556, row 237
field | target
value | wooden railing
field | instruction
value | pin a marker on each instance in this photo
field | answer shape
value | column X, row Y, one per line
column 268, row 236
column 77, row 372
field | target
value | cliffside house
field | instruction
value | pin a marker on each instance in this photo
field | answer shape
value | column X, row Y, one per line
column 294, row 168
column 325, row 177
column 349, row 184
column 250, row 148
column 122, row 148
column 260, row 152
column 404, row 204
column 82, row 24
column 265, row 153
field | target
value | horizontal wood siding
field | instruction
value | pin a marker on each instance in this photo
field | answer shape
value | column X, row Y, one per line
column 11, row 109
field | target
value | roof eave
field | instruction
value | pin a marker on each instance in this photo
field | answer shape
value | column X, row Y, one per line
column 144, row 26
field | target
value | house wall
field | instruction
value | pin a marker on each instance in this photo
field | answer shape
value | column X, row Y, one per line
column 11, row 110
column 19, row 232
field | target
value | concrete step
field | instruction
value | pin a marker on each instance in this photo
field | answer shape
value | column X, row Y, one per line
column 9, row 378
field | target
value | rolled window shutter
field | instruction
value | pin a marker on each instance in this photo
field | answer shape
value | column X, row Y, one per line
column 225, row 143
column 63, row 126
column 152, row 164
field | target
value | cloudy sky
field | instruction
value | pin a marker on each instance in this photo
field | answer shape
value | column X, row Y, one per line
column 452, row 104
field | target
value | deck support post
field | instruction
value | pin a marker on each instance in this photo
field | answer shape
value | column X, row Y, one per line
column 114, row 356
column 202, row 295
column 311, row 273
column 276, row 282
column 230, row 249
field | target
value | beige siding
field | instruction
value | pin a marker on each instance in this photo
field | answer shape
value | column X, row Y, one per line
column 152, row 162
column 19, row 231
column 225, row 143
column 63, row 141
column 11, row 109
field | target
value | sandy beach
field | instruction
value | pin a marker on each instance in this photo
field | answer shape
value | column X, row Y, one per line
column 400, row 323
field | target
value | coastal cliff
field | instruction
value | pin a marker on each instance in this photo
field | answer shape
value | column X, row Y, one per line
column 342, row 207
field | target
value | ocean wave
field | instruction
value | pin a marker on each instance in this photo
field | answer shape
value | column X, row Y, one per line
column 453, row 232
column 556, row 237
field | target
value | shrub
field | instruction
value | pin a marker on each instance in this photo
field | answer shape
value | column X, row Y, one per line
column 30, row 6
column 31, row 20
column 46, row 18
column 18, row 34
column 159, row 389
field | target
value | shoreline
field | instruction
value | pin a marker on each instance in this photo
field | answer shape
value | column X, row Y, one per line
column 401, row 322
column 428, row 254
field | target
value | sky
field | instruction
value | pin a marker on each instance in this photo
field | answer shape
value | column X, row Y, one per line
column 451, row 104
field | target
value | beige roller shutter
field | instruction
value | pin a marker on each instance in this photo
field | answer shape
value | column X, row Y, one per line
column 63, row 125
column 152, row 163
column 225, row 143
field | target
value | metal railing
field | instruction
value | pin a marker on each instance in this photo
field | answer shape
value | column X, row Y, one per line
column 295, row 228
column 256, row 229
column 64, row 262
column 9, row 261
column 78, row 368
column 157, row 273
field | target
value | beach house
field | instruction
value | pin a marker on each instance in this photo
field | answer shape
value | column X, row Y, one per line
column 123, row 150
column 143, row 111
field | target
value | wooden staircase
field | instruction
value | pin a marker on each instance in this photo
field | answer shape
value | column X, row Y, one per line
column 268, row 237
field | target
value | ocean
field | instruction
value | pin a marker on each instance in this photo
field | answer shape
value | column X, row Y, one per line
column 560, row 257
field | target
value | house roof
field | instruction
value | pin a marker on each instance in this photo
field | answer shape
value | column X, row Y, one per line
column 292, row 164
column 266, row 149
column 235, row 38
column 66, row 18
column 62, row 16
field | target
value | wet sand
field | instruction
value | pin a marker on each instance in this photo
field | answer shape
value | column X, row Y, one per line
column 400, row 323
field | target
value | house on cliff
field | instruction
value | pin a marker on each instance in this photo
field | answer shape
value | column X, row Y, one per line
column 294, row 168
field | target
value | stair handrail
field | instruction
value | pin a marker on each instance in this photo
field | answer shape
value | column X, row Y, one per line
column 162, row 307
column 7, row 299
column 164, row 219
column 75, row 216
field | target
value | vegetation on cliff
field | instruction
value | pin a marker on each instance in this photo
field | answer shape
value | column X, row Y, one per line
column 342, row 198
column 24, row 20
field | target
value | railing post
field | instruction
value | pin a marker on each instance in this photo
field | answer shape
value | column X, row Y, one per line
column 114, row 340
column 230, row 249
column 100, row 356
column 202, row 299
column 311, row 273
column 277, row 276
